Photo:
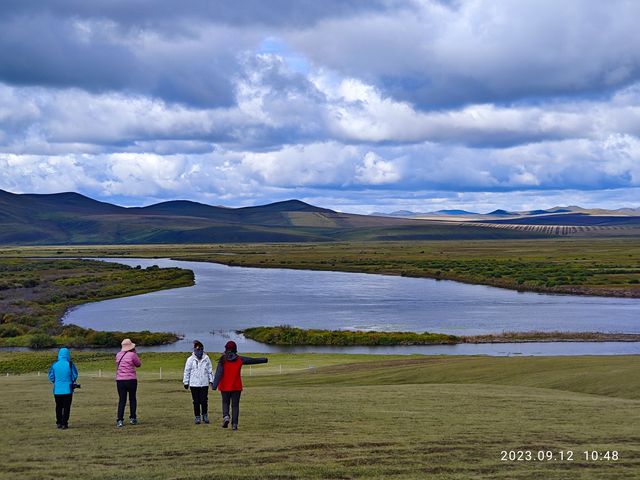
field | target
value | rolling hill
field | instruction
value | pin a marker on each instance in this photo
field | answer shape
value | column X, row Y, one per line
column 72, row 218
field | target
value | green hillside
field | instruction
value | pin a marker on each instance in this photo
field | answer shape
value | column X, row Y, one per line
column 71, row 218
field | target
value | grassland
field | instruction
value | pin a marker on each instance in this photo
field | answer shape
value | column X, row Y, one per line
column 590, row 266
column 287, row 335
column 35, row 293
column 351, row 417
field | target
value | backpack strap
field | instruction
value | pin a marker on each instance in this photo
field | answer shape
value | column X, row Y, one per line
column 120, row 361
column 71, row 372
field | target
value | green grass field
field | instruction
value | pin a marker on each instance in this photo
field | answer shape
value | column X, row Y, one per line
column 349, row 417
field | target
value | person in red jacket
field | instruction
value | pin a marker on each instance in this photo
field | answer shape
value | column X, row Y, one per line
column 229, row 381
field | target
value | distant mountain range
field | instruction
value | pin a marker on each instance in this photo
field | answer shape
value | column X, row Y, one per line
column 513, row 214
column 410, row 214
column 72, row 218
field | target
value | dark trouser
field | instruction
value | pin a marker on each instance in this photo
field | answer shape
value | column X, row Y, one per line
column 232, row 397
column 124, row 387
column 200, row 397
column 63, row 408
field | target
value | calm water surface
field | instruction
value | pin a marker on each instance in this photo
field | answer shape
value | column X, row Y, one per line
column 226, row 299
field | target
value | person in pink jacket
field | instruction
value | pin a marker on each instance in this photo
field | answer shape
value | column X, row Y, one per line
column 126, row 380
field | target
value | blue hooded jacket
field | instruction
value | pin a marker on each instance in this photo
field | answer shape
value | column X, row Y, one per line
column 63, row 373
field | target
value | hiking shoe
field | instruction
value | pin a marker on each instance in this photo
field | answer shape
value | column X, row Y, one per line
column 64, row 427
column 205, row 418
column 197, row 420
column 133, row 421
column 119, row 423
column 225, row 422
column 58, row 425
column 234, row 427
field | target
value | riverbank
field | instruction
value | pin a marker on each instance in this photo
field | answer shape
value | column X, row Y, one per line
column 35, row 294
column 455, row 418
column 285, row 335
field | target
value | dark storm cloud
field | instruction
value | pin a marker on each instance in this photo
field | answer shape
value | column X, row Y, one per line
column 43, row 51
column 184, row 52
column 435, row 55
column 166, row 13
column 95, row 56
column 440, row 56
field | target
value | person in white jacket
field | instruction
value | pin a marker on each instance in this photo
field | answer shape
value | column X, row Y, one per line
column 198, row 375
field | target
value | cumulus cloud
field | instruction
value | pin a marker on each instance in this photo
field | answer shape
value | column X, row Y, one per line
column 276, row 106
column 374, row 170
column 333, row 102
column 477, row 51
column 27, row 173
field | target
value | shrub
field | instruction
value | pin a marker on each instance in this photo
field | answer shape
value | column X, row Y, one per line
column 41, row 340
column 11, row 330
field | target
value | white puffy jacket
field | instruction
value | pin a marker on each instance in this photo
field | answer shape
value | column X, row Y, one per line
column 198, row 373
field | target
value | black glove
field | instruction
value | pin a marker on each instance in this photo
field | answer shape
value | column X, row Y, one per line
column 186, row 387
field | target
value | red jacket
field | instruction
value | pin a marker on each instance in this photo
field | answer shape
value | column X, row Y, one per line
column 231, row 378
column 228, row 377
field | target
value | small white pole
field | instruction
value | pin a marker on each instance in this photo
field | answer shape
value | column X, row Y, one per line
column 250, row 374
column 38, row 372
column 99, row 373
column 160, row 373
column 280, row 369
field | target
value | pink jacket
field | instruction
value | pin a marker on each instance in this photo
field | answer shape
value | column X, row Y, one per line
column 128, row 361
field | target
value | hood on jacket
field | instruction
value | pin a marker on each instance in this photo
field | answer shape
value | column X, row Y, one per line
column 63, row 354
column 230, row 356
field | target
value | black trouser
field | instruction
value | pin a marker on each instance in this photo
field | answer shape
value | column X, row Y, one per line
column 124, row 387
column 63, row 408
column 232, row 397
column 200, row 397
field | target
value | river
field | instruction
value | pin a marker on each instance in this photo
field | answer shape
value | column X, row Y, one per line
column 225, row 299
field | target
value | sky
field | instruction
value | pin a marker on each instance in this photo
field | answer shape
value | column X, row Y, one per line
column 355, row 105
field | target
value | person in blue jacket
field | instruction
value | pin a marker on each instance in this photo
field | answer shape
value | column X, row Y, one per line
column 63, row 374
